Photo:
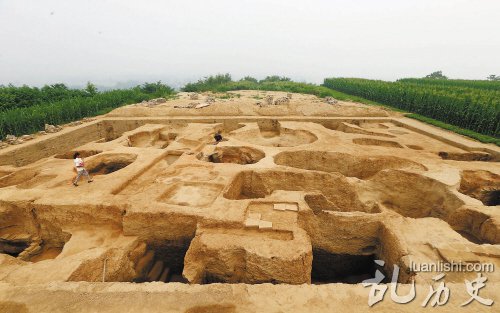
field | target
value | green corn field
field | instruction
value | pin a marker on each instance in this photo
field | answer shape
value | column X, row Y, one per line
column 472, row 108
column 466, row 104
column 478, row 84
column 24, row 110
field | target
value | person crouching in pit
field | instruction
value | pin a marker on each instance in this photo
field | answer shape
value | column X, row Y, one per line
column 217, row 137
column 80, row 169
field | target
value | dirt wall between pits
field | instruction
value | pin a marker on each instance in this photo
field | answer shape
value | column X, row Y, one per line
column 53, row 144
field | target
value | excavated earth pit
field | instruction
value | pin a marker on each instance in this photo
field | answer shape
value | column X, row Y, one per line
column 22, row 236
column 344, row 163
column 468, row 156
column 353, row 128
column 162, row 262
column 109, row 163
column 191, row 194
column 481, row 185
column 145, row 139
column 235, row 155
column 295, row 195
column 376, row 142
column 274, row 135
column 335, row 187
column 26, row 178
column 347, row 269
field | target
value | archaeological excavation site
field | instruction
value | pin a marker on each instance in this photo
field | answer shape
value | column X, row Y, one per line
column 287, row 213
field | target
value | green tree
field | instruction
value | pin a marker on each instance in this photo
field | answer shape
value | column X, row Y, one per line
column 157, row 89
column 208, row 83
column 436, row 75
column 249, row 79
column 494, row 78
column 91, row 88
column 276, row 78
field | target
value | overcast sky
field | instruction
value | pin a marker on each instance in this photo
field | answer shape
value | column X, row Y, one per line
column 110, row 41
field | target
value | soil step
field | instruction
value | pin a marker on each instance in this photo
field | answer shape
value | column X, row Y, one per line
column 165, row 275
column 156, row 271
column 145, row 263
column 18, row 237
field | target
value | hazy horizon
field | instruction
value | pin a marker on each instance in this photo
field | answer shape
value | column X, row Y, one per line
column 109, row 42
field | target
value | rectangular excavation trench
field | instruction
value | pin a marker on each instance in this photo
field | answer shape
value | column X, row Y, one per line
column 42, row 251
column 340, row 255
column 67, row 140
column 163, row 262
column 341, row 268
column 148, row 174
column 25, row 236
column 110, row 129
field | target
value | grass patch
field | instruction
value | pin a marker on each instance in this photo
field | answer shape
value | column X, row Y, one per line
column 227, row 95
column 104, row 111
column 455, row 129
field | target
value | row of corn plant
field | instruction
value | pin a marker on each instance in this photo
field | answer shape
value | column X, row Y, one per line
column 477, row 84
column 224, row 83
column 30, row 119
column 469, row 108
column 25, row 96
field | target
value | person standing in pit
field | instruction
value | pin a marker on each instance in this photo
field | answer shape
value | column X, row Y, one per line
column 80, row 169
column 218, row 137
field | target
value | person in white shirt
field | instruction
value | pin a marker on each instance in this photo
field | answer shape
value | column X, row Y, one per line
column 80, row 169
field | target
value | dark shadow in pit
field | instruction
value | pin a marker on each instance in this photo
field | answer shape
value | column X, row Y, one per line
column 108, row 168
column 470, row 237
column 481, row 185
column 467, row 156
column 236, row 155
column 14, row 247
column 163, row 262
column 491, row 198
column 109, row 163
column 342, row 268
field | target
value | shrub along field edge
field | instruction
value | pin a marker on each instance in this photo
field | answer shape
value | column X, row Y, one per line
column 28, row 120
column 223, row 83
